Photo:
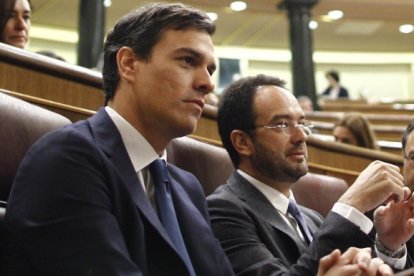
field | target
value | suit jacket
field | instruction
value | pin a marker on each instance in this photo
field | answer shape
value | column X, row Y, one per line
column 343, row 92
column 259, row 242
column 77, row 208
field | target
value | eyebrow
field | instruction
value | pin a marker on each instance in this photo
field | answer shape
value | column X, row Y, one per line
column 285, row 116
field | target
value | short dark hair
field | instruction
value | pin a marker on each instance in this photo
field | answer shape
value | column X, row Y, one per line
column 142, row 29
column 235, row 109
column 407, row 133
column 5, row 7
column 334, row 74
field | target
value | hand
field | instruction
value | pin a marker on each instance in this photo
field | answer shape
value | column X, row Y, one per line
column 378, row 183
column 353, row 262
column 394, row 222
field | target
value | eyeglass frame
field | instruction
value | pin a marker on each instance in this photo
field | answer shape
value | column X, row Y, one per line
column 288, row 128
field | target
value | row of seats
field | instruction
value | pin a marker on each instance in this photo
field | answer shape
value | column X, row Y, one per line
column 23, row 123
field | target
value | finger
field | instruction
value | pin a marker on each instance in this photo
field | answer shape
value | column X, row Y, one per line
column 395, row 170
column 328, row 261
column 373, row 266
column 379, row 212
column 363, row 258
column 385, row 270
column 396, row 193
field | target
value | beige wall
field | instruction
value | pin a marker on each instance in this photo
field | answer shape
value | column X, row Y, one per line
column 375, row 75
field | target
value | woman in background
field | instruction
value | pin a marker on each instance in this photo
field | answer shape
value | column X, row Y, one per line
column 15, row 22
column 355, row 129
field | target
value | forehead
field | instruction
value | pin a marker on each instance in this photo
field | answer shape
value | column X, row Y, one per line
column 198, row 40
column 342, row 131
column 271, row 100
column 22, row 5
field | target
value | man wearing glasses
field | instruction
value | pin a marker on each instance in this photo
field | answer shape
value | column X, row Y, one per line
column 255, row 217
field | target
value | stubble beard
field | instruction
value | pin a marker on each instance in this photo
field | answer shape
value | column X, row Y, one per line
column 274, row 167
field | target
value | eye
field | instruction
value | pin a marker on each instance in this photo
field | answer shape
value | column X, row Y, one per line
column 282, row 124
column 189, row 60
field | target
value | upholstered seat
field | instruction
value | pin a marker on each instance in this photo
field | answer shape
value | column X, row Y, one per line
column 21, row 125
column 212, row 166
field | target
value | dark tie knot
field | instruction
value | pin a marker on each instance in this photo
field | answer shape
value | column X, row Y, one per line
column 159, row 171
column 293, row 209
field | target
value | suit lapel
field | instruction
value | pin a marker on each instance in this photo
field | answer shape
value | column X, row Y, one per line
column 257, row 201
column 107, row 137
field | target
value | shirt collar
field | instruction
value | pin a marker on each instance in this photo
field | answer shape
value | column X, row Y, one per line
column 139, row 149
column 276, row 198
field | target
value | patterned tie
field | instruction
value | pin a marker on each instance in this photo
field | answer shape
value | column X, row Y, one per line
column 166, row 210
column 294, row 211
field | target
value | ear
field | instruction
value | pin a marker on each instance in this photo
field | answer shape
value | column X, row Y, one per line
column 241, row 142
column 127, row 65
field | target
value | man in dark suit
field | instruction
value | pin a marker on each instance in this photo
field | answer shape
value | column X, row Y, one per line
column 264, row 131
column 335, row 89
column 83, row 199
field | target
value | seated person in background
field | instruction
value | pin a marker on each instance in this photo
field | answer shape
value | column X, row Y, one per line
column 355, row 129
column 15, row 22
column 305, row 103
column 212, row 98
column 254, row 215
column 334, row 90
column 354, row 261
column 97, row 197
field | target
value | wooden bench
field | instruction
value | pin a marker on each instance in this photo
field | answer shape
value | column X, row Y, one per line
column 382, row 132
column 374, row 119
column 51, row 79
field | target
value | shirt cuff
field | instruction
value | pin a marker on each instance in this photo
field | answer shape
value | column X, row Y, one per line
column 353, row 215
column 398, row 263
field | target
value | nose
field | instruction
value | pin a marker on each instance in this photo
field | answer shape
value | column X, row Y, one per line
column 21, row 23
column 299, row 135
column 203, row 82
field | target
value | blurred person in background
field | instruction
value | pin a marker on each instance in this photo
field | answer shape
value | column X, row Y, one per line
column 334, row 90
column 355, row 129
column 305, row 103
column 15, row 22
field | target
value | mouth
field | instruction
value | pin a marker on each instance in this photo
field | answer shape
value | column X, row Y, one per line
column 300, row 154
column 197, row 102
column 18, row 37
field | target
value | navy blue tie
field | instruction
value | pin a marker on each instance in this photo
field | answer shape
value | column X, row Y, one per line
column 166, row 211
column 293, row 209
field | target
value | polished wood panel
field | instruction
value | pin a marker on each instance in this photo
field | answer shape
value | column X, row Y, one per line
column 346, row 157
column 368, row 108
column 382, row 132
column 50, row 79
column 375, row 119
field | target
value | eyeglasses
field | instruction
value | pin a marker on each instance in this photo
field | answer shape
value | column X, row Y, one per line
column 409, row 158
column 288, row 128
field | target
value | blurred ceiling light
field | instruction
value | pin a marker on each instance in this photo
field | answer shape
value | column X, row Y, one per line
column 213, row 16
column 107, row 3
column 335, row 14
column 406, row 28
column 238, row 6
column 313, row 25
